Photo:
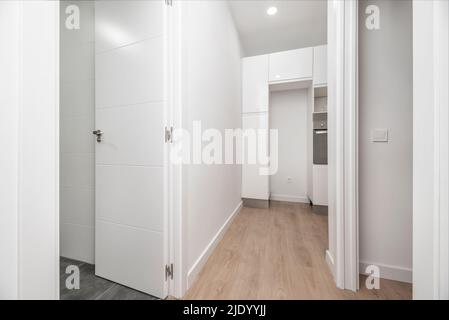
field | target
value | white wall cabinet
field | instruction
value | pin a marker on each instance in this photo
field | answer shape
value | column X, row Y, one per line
column 320, row 66
column 255, row 84
column 291, row 65
column 320, row 185
column 254, row 185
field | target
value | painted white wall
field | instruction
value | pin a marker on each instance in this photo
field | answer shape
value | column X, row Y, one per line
column 212, row 94
column 29, row 190
column 288, row 114
column 77, row 116
column 385, row 169
column 430, row 150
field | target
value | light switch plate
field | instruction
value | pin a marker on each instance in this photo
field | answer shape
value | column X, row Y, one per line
column 379, row 135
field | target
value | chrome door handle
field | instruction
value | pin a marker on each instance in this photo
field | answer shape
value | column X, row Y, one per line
column 98, row 133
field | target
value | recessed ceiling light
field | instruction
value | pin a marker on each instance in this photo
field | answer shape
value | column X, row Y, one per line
column 271, row 11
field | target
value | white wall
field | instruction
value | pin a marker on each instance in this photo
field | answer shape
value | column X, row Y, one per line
column 288, row 114
column 385, row 169
column 212, row 94
column 77, row 121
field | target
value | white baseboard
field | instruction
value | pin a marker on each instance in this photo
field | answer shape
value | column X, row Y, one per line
column 202, row 259
column 390, row 272
column 289, row 198
column 330, row 263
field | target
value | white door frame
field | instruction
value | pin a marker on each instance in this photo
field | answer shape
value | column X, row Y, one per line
column 177, row 235
column 178, row 226
column 31, row 166
column 342, row 255
column 430, row 150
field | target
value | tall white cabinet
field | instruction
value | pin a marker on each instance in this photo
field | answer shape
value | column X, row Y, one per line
column 255, row 97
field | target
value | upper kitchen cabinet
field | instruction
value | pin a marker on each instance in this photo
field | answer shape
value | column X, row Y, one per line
column 291, row 65
column 320, row 66
column 255, row 84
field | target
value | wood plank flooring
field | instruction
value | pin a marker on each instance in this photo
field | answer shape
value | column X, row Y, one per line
column 278, row 253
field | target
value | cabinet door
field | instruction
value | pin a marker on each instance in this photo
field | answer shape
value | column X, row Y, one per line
column 320, row 185
column 290, row 65
column 254, row 185
column 255, row 84
column 320, row 66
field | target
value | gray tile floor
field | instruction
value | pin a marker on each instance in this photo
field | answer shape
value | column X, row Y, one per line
column 93, row 287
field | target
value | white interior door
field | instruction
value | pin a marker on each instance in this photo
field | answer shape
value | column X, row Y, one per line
column 130, row 159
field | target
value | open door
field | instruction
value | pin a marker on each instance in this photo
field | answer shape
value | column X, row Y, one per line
column 130, row 162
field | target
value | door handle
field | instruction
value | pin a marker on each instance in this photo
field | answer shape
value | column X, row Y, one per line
column 98, row 133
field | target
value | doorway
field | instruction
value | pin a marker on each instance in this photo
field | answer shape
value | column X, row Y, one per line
column 386, row 138
column 113, row 152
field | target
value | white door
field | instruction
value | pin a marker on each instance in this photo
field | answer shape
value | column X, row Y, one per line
column 131, row 157
column 320, row 66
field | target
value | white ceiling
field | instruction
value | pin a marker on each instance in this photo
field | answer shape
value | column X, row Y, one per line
column 298, row 24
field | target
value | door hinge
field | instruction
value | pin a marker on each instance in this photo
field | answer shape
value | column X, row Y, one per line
column 169, row 271
column 168, row 134
column 169, row 2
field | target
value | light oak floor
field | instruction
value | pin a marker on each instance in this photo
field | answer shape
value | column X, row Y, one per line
column 278, row 253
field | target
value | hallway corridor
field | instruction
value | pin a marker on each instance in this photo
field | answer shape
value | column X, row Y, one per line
column 278, row 253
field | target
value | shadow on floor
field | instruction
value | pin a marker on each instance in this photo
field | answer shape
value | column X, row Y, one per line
column 93, row 287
